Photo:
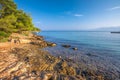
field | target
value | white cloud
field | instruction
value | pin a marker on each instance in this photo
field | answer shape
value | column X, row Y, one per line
column 73, row 14
column 78, row 15
column 114, row 8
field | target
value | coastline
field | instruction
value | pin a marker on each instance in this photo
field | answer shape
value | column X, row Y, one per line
column 30, row 61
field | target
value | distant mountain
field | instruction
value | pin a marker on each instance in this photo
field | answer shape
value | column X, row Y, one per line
column 108, row 29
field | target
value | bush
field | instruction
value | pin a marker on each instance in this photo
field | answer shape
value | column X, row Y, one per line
column 2, row 39
column 3, row 34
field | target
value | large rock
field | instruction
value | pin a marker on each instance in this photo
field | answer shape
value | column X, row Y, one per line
column 39, row 42
column 75, row 48
column 51, row 44
column 38, row 37
column 66, row 46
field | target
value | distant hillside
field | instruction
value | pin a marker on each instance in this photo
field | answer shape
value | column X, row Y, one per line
column 108, row 29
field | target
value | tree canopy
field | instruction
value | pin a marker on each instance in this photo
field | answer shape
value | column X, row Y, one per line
column 13, row 20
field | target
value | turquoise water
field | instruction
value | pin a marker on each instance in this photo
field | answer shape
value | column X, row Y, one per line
column 99, row 51
column 93, row 41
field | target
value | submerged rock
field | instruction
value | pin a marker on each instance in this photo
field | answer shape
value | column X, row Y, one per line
column 66, row 46
column 59, row 57
column 90, row 54
column 75, row 48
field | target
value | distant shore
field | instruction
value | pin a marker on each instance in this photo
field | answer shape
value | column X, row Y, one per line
column 115, row 32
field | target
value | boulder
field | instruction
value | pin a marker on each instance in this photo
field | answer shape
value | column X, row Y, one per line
column 33, row 73
column 59, row 57
column 75, row 48
column 51, row 44
column 66, row 46
column 40, row 43
column 39, row 37
column 92, row 55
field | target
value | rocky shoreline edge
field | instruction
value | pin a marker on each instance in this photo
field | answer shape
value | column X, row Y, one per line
column 28, row 61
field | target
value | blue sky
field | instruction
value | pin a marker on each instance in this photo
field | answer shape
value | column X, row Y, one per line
column 72, row 14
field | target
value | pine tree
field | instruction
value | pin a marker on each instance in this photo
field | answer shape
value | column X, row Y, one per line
column 13, row 20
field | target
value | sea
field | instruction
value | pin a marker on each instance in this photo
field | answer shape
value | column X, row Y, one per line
column 98, row 50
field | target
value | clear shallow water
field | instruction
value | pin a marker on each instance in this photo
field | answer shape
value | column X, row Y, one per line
column 99, row 51
column 93, row 41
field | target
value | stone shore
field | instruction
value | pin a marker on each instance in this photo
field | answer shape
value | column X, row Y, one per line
column 28, row 61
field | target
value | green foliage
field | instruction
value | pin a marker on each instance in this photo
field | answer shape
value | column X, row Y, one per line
column 3, row 36
column 7, row 7
column 14, row 20
column 7, row 24
column 2, row 33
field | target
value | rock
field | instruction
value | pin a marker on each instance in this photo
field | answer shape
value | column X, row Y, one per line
column 66, row 46
column 46, row 75
column 62, row 77
column 22, row 77
column 78, row 71
column 34, row 72
column 59, row 57
column 15, row 78
column 90, row 54
column 82, row 78
column 84, row 73
column 40, row 43
column 75, row 48
column 51, row 44
column 15, row 68
column 25, row 41
column 72, row 78
column 26, row 59
column 39, row 37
